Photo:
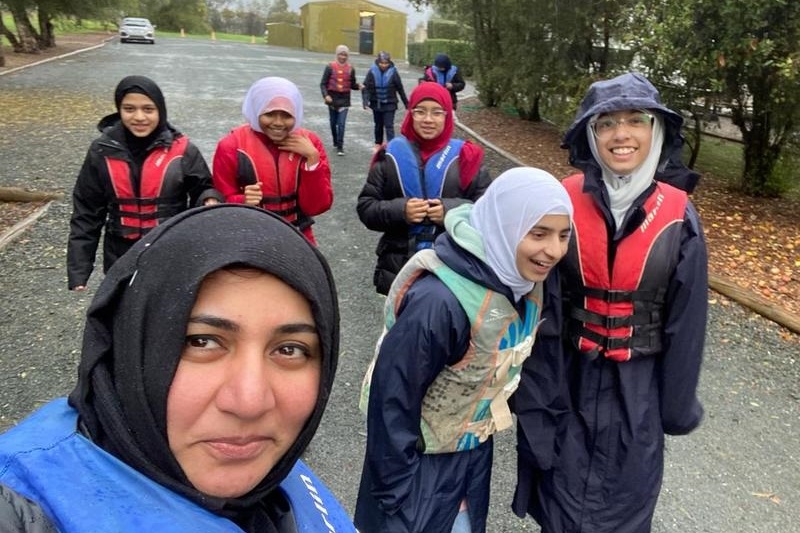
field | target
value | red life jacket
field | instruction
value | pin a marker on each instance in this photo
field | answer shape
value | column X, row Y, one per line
column 339, row 80
column 279, row 179
column 617, row 309
column 160, row 195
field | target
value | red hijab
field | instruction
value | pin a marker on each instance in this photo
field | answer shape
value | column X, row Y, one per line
column 471, row 155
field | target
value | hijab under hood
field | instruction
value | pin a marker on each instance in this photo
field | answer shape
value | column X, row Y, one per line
column 136, row 326
column 513, row 204
column 271, row 94
column 630, row 91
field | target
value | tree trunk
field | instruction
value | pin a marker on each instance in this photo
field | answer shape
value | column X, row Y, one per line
column 28, row 38
column 16, row 194
column 47, row 39
column 8, row 34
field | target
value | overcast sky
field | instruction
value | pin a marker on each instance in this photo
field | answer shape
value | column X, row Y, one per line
column 414, row 17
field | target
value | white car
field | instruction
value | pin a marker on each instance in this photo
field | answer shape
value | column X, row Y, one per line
column 137, row 29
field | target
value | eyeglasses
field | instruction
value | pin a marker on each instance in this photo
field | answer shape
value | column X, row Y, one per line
column 603, row 127
column 420, row 114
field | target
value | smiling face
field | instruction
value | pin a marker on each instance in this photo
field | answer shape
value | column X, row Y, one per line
column 139, row 114
column 247, row 381
column 277, row 125
column 429, row 118
column 626, row 145
column 542, row 247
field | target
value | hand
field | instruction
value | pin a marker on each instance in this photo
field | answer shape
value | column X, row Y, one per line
column 300, row 145
column 253, row 194
column 436, row 211
column 416, row 210
column 328, row 99
column 210, row 201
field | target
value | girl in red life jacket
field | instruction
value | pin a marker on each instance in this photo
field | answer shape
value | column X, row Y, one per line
column 338, row 80
column 272, row 162
column 137, row 174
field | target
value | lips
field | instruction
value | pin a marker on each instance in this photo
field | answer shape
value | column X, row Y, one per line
column 238, row 449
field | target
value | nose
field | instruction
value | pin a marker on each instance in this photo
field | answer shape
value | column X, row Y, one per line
column 246, row 392
column 555, row 247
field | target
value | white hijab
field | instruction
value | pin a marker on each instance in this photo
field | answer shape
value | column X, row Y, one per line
column 270, row 94
column 513, row 204
column 623, row 190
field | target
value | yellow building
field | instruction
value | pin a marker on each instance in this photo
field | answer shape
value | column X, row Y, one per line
column 365, row 27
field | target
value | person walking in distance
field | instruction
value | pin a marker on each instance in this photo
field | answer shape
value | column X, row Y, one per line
column 338, row 81
column 380, row 91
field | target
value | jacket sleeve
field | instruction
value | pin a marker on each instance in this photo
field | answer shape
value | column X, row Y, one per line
column 323, row 84
column 225, row 167
column 378, row 209
column 89, row 213
column 542, row 400
column 684, row 332
column 367, row 88
column 315, row 192
column 20, row 514
column 400, row 89
column 431, row 331
column 458, row 82
column 353, row 80
column 197, row 177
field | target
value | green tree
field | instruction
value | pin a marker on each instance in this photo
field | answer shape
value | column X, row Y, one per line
column 743, row 55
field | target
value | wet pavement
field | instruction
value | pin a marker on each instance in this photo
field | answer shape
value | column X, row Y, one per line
column 740, row 472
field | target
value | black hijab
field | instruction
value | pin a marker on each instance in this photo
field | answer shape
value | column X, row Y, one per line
column 138, row 146
column 135, row 331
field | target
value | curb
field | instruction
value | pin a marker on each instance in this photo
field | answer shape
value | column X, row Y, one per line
column 3, row 73
column 10, row 234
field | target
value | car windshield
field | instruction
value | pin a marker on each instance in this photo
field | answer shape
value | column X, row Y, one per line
column 135, row 23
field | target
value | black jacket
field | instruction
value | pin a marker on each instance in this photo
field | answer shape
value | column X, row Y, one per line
column 93, row 197
column 381, row 207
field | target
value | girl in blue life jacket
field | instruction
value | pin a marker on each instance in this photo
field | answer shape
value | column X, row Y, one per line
column 380, row 92
column 416, row 179
column 460, row 318
column 207, row 362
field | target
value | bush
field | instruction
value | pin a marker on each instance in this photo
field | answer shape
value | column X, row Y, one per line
column 461, row 54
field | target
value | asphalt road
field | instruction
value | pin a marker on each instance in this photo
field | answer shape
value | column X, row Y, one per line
column 740, row 472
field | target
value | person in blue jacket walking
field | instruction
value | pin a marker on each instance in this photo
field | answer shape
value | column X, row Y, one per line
column 380, row 92
column 632, row 327
column 460, row 318
column 208, row 357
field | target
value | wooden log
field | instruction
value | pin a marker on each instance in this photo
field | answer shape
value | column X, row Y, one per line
column 756, row 303
column 17, row 194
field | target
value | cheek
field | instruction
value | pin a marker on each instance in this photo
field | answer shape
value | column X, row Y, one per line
column 298, row 392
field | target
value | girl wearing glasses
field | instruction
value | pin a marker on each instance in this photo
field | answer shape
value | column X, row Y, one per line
column 416, row 179
column 632, row 327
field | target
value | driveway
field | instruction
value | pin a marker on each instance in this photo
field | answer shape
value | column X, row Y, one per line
column 740, row 472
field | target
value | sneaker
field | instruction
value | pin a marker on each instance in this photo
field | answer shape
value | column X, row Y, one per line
column 340, row 151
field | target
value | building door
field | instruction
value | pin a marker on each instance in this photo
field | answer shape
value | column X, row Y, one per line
column 366, row 33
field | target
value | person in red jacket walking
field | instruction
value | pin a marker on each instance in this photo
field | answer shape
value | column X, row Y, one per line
column 272, row 162
column 338, row 81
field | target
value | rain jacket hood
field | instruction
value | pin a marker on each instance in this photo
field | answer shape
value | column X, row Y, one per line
column 629, row 91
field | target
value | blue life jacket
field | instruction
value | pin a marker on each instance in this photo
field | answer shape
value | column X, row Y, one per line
column 424, row 183
column 382, row 80
column 443, row 77
column 81, row 487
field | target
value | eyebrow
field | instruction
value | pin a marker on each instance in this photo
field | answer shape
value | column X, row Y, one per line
column 230, row 325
